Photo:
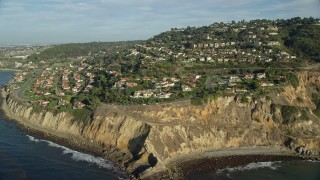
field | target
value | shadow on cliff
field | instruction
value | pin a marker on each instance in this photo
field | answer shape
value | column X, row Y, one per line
column 137, row 149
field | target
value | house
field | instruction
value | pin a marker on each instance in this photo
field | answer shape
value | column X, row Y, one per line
column 131, row 84
column 88, row 88
column 202, row 59
column 231, row 84
column 173, row 79
column 186, row 88
column 63, row 102
column 248, row 76
column 234, row 78
column 220, row 60
column 115, row 73
column 240, row 90
column 265, row 84
column 273, row 43
column 284, row 53
column 75, row 90
column 260, row 75
column 77, row 78
column 163, row 95
column 190, row 60
column 61, row 94
column 209, row 59
column 143, row 94
column 167, row 84
column 223, row 83
column 79, row 105
column 118, row 84
column 273, row 33
column 195, row 76
column 273, row 28
column 146, row 78
column 44, row 103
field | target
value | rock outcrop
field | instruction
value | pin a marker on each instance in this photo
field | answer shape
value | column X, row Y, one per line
column 140, row 137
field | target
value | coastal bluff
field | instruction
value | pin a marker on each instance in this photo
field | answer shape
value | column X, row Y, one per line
column 146, row 140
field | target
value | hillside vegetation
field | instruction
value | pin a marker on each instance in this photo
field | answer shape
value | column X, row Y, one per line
column 246, row 59
column 304, row 40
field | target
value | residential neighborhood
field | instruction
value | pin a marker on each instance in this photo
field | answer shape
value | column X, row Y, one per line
column 246, row 58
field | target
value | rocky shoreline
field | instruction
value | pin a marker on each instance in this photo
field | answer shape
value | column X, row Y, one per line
column 181, row 167
column 215, row 163
column 68, row 141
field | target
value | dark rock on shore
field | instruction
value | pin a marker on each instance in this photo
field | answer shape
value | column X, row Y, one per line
column 210, row 164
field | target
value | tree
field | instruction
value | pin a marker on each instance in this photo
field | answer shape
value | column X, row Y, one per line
column 254, row 85
column 52, row 104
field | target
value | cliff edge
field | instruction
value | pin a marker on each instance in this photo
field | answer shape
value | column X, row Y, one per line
column 146, row 140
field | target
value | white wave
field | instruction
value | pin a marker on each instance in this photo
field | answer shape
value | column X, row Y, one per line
column 33, row 139
column 252, row 166
column 78, row 156
column 313, row 161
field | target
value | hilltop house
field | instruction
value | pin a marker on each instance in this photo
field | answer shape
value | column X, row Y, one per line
column 143, row 94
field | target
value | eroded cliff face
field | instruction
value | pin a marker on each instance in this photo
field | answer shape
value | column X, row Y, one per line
column 138, row 137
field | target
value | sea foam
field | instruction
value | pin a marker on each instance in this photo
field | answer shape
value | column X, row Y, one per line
column 252, row 166
column 33, row 139
column 313, row 161
column 78, row 156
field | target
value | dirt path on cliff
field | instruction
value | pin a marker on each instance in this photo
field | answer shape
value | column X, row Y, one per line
column 125, row 111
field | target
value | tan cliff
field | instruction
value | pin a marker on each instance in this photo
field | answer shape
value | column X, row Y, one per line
column 139, row 137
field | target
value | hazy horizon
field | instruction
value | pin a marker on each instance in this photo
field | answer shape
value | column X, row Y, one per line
column 76, row 21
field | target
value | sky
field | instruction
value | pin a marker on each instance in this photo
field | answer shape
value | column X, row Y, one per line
column 66, row 21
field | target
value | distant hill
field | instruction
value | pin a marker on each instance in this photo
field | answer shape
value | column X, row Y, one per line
column 77, row 49
column 304, row 40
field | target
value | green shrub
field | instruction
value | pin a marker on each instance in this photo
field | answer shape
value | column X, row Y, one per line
column 293, row 80
column 81, row 116
column 289, row 132
column 196, row 101
column 316, row 101
column 304, row 114
column 37, row 108
column 52, row 104
column 110, row 126
column 244, row 99
column 288, row 113
column 299, row 99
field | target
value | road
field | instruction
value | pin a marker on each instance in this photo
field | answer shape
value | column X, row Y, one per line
column 20, row 94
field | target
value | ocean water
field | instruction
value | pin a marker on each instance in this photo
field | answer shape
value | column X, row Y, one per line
column 23, row 156
column 278, row 170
